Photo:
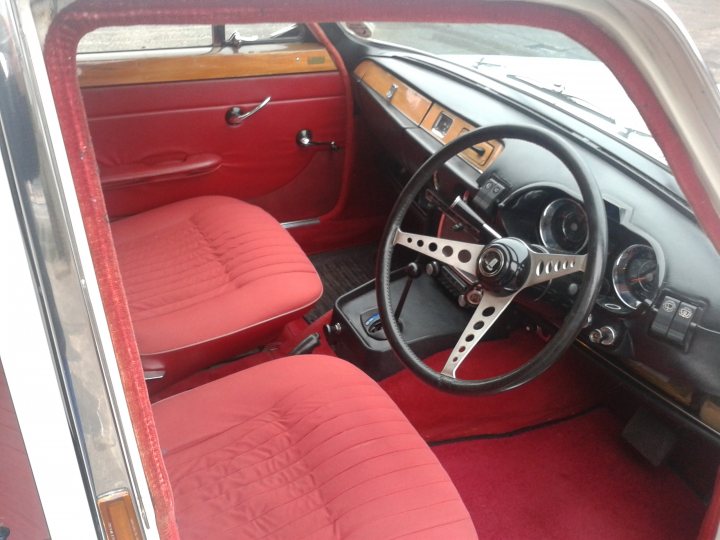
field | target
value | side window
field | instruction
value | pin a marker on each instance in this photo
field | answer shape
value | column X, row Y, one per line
column 146, row 37
column 263, row 33
column 159, row 37
column 111, row 56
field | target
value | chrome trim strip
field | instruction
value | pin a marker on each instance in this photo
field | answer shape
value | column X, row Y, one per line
column 27, row 359
column 68, row 291
column 31, row 352
column 300, row 223
column 154, row 375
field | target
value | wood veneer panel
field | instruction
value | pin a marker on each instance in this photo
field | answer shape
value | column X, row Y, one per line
column 404, row 98
column 248, row 62
column 710, row 414
column 486, row 152
column 680, row 392
column 362, row 68
column 425, row 113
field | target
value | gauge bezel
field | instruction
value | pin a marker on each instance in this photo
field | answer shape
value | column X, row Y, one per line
column 545, row 224
column 619, row 283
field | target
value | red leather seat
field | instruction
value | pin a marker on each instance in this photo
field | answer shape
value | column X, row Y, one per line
column 303, row 447
column 208, row 278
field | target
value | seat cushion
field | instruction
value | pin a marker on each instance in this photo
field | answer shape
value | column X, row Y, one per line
column 303, row 447
column 208, row 278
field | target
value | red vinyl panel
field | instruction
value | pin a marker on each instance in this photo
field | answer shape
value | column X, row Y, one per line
column 162, row 125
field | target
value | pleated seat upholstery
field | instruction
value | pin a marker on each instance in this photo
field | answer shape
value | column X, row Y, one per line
column 303, row 447
column 208, row 278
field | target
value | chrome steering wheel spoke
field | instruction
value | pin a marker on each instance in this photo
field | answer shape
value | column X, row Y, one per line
column 461, row 255
column 503, row 267
column 488, row 310
column 548, row 266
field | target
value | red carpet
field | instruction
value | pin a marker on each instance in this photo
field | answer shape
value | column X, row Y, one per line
column 576, row 479
column 569, row 387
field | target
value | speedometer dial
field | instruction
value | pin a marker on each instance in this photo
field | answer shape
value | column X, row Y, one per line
column 635, row 275
column 563, row 226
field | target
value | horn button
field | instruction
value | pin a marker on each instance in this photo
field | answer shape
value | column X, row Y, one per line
column 504, row 265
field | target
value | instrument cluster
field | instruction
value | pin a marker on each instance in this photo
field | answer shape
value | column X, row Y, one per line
column 556, row 222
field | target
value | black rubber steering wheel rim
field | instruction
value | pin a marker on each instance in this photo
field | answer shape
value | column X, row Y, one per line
column 584, row 300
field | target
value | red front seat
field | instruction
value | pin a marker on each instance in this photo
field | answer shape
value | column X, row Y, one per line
column 209, row 278
column 303, row 447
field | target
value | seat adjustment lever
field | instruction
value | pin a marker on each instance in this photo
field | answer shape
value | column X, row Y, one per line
column 307, row 345
column 154, row 375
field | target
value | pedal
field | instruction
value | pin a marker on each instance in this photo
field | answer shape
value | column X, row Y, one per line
column 650, row 436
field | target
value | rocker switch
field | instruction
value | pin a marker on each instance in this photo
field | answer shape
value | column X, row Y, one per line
column 681, row 323
column 488, row 193
column 664, row 316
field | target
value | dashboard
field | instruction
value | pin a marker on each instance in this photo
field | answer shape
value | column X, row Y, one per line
column 656, row 317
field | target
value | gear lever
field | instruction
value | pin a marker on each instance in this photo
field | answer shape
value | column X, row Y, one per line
column 371, row 319
column 412, row 271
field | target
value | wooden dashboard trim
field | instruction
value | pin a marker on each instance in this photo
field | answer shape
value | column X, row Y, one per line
column 679, row 392
column 480, row 156
column 710, row 414
column 251, row 61
column 424, row 113
column 404, row 98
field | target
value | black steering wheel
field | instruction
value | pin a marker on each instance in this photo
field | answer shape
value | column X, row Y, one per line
column 504, row 267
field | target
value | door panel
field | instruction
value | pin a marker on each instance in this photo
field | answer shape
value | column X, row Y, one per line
column 165, row 141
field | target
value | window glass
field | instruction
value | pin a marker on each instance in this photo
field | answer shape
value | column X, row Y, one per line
column 258, row 32
column 145, row 37
column 545, row 64
column 487, row 39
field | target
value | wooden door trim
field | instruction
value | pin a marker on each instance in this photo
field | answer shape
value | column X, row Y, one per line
column 252, row 61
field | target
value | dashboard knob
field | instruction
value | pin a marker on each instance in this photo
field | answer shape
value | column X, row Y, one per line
column 474, row 297
column 605, row 335
column 333, row 329
column 332, row 332
column 432, row 268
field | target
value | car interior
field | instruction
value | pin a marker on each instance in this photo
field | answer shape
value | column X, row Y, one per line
column 374, row 292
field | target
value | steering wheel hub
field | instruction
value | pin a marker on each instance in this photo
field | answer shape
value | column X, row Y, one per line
column 503, row 266
column 492, row 262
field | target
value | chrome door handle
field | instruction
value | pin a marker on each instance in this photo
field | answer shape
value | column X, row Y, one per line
column 234, row 115
column 304, row 140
